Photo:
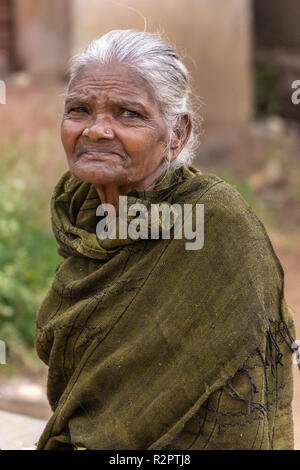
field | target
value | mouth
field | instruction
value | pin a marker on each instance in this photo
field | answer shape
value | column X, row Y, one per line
column 97, row 155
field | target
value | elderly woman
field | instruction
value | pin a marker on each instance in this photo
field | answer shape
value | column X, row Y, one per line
column 150, row 344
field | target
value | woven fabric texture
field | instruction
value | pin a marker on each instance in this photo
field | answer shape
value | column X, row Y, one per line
column 153, row 346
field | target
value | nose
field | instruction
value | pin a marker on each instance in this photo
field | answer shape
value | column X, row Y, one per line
column 100, row 129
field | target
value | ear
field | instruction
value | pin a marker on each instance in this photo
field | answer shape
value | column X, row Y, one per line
column 180, row 135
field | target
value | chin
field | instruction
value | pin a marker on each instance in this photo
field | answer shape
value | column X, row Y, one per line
column 97, row 176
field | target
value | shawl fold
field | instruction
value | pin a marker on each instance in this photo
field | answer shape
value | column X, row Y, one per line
column 138, row 334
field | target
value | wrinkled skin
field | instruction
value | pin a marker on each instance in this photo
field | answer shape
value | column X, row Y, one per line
column 113, row 131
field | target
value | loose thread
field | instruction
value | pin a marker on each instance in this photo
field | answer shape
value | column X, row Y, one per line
column 208, row 440
column 293, row 346
column 215, row 413
column 253, row 388
column 266, row 377
column 273, row 342
column 269, row 349
column 178, row 442
column 283, row 337
column 236, row 396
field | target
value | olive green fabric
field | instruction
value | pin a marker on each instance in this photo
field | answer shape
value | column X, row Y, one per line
column 252, row 411
column 153, row 346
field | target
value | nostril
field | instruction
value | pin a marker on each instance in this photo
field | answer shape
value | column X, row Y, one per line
column 97, row 132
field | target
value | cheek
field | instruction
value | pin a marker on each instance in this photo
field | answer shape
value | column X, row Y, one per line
column 145, row 146
column 69, row 133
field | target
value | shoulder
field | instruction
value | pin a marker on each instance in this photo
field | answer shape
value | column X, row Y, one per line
column 232, row 230
column 223, row 204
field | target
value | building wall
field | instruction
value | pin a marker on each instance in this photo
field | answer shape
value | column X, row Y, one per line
column 42, row 36
column 277, row 24
column 277, row 49
column 6, row 35
column 215, row 36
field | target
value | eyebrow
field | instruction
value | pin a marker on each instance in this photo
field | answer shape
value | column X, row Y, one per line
column 122, row 103
column 131, row 104
column 70, row 101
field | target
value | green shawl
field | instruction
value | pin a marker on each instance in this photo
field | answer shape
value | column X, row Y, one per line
column 141, row 336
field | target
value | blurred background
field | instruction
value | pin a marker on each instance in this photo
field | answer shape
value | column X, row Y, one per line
column 243, row 56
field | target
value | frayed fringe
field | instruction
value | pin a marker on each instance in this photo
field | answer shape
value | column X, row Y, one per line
column 201, row 431
column 215, row 413
column 236, row 396
column 290, row 342
column 271, row 358
column 273, row 354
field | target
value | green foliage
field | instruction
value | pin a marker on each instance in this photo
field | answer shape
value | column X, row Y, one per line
column 267, row 103
column 243, row 186
column 28, row 255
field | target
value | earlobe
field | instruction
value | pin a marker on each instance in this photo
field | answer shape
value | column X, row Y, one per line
column 182, row 132
column 176, row 138
column 180, row 135
column 175, row 142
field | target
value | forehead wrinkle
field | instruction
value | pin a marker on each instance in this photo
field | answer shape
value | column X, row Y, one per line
column 114, row 81
column 88, row 89
column 111, row 96
column 99, row 83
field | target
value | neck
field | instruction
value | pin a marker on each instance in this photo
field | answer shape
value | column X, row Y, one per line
column 109, row 193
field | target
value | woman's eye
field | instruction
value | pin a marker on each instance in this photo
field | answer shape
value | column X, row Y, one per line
column 79, row 109
column 128, row 113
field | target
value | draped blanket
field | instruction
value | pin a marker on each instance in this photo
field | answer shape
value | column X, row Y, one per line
column 139, row 335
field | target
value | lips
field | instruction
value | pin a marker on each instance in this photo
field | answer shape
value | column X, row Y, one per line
column 97, row 154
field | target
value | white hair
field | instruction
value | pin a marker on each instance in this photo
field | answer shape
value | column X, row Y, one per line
column 159, row 64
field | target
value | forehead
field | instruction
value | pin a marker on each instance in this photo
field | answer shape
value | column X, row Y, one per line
column 111, row 80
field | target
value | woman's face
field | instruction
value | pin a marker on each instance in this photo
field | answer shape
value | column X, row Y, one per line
column 126, row 134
